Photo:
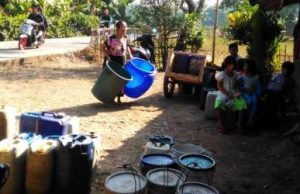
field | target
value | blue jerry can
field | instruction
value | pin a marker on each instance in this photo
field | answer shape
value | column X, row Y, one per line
column 44, row 123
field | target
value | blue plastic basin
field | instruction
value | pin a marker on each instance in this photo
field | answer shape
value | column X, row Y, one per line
column 152, row 161
column 143, row 75
column 197, row 161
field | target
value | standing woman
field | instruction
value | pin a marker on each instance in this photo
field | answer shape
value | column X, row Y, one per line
column 116, row 48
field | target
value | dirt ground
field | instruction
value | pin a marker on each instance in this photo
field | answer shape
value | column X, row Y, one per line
column 264, row 162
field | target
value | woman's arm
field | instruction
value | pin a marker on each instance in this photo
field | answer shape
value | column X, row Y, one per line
column 129, row 54
column 104, row 48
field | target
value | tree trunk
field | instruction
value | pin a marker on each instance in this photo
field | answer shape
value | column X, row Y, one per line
column 297, row 39
column 200, row 6
column 191, row 5
column 93, row 8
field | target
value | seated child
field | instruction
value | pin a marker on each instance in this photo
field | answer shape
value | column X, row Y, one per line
column 229, row 97
column 280, row 91
column 251, row 88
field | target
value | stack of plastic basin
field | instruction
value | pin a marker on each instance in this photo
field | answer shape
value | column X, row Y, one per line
column 143, row 74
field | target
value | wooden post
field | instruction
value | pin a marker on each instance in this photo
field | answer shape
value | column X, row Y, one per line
column 215, row 32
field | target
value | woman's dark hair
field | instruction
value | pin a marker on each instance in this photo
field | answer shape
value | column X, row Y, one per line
column 227, row 61
column 252, row 68
column 40, row 8
column 233, row 46
column 119, row 23
column 289, row 67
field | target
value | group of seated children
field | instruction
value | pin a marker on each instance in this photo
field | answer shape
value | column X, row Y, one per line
column 241, row 91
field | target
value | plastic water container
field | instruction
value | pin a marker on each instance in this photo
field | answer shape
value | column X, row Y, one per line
column 200, row 168
column 153, row 161
column 210, row 111
column 40, row 167
column 110, row 82
column 125, row 182
column 97, row 146
column 143, row 75
column 152, row 148
column 196, row 187
column 74, row 166
column 73, row 125
column 164, row 180
column 29, row 137
column 7, row 123
column 13, row 152
column 44, row 123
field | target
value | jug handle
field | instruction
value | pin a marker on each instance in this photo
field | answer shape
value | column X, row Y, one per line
column 52, row 114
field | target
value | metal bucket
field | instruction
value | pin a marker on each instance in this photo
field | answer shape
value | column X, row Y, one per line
column 187, row 148
column 153, row 161
column 164, row 180
column 125, row 182
column 198, row 167
column 195, row 187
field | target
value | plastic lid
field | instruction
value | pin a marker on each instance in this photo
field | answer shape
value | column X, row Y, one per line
column 158, row 159
column 125, row 182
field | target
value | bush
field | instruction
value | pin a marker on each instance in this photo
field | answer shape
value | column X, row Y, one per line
column 195, row 33
column 10, row 26
column 63, row 20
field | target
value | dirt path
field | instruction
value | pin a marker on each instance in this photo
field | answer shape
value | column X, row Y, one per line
column 265, row 163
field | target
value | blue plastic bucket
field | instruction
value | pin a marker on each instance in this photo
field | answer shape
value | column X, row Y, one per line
column 143, row 74
column 153, row 161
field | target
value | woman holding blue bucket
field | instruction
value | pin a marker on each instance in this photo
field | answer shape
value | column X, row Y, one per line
column 116, row 48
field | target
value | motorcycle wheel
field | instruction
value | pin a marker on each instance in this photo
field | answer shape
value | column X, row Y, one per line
column 169, row 87
column 22, row 43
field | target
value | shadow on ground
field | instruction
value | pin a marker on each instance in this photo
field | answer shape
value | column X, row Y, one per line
column 267, row 163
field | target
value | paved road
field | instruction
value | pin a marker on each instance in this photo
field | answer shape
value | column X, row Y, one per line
column 9, row 50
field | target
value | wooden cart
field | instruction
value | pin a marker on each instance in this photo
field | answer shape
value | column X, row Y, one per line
column 172, row 77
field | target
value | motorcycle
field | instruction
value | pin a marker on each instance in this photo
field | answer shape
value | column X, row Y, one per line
column 146, row 49
column 30, row 36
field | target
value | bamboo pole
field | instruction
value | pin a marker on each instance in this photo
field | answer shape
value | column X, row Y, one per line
column 215, row 32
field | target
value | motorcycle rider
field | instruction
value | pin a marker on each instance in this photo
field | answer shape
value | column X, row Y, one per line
column 38, row 18
column 105, row 19
column 45, row 22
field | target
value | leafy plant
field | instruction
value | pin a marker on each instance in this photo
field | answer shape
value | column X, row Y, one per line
column 260, row 30
column 195, row 32
column 239, row 27
column 165, row 16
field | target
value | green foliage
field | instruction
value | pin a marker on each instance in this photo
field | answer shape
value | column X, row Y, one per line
column 83, row 23
column 63, row 19
column 261, row 31
column 266, row 36
column 165, row 16
column 9, row 25
column 195, row 34
column 239, row 27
